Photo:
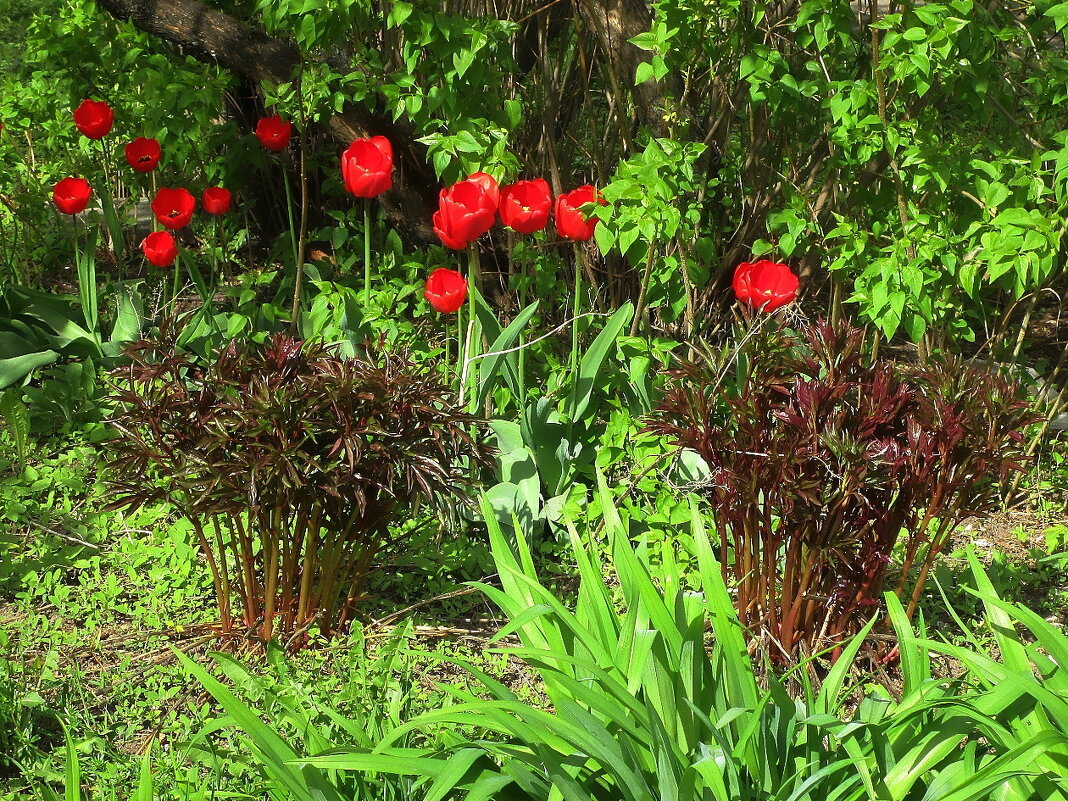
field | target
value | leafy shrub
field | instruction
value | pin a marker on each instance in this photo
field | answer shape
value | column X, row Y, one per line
column 825, row 461
column 291, row 462
column 36, row 329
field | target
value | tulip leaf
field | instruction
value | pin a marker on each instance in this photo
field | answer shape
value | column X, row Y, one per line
column 495, row 361
column 590, row 366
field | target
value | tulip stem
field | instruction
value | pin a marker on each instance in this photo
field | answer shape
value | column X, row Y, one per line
column 367, row 250
column 522, row 357
column 461, row 354
column 447, row 370
column 472, row 324
column 218, row 267
column 107, row 209
column 155, row 222
column 574, row 329
column 467, row 384
column 177, row 272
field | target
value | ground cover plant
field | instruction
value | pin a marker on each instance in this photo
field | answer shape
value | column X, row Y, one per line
column 596, row 400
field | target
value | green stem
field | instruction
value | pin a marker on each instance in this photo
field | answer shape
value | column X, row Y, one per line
column 447, row 370
column 472, row 325
column 367, row 249
column 296, row 241
column 85, row 265
column 461, row 353
column 575, row 334
column 107, row 207
column 81, row 276
column 216, row 276
column 646, row 276
column 177, row 270
column 289, row 215
column 522, row 356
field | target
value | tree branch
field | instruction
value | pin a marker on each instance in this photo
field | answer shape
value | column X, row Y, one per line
column 218, row 38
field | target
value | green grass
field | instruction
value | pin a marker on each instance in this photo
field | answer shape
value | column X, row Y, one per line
column 93, row 604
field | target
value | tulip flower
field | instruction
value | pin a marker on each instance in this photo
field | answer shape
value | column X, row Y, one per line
column 466, row 210
column 71, row 195
column 765, row 285
column 489, row 186
column 143, row 154
column 571, row 223
column 274, row 133
column 174, row 208
column 525, row 205
column 160, row 248
column 216, row 200
column 367, row 166
column 94, row 118
column 446, row 290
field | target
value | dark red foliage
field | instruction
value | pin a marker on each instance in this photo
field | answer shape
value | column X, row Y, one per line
column 824, row 462
column 286, row 443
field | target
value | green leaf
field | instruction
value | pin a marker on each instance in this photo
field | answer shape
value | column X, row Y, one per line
column 275, row 754
column 915, row 326
column 593, row 359
column 1058, row 13
column 491, row 363
column 144, row 784
column 16, row 415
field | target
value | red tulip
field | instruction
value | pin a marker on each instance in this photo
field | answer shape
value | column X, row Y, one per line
column 143, row 154
column 71, row 195
column 367, row 166
column 465, row 212
column 572, row 223
column 765, row 285
column 216, row 200
column 525, row 205
column 489, row 186
column 93, row 118
column 274, row 133
column 160, row 249
column 174, row 208
column 446, row 290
